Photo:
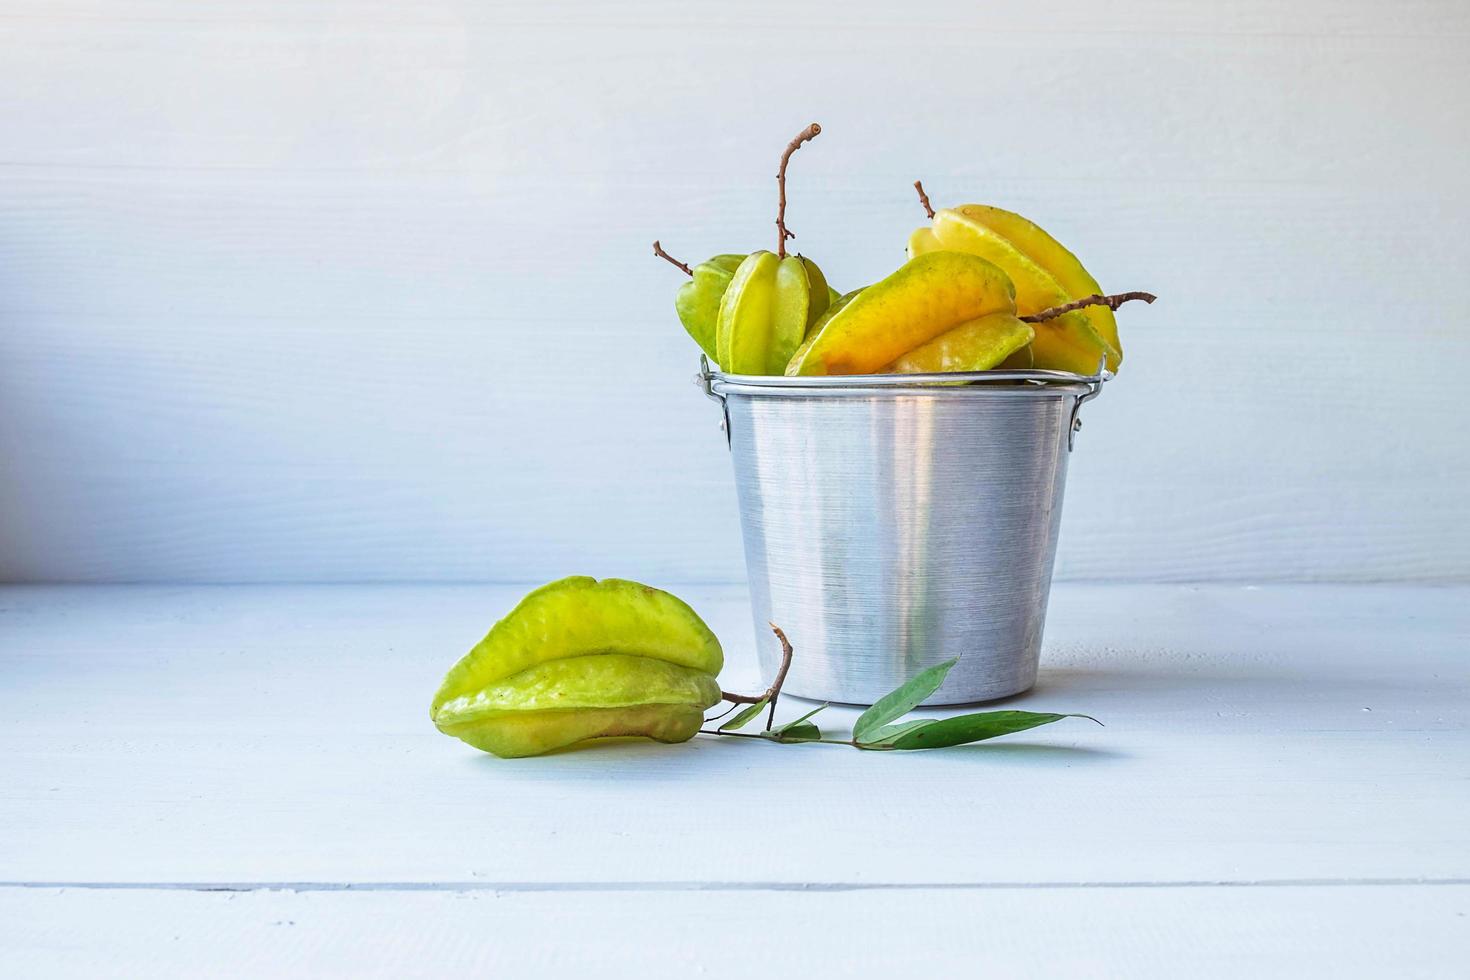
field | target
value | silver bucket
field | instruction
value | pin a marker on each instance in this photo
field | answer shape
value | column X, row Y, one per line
column 893, row 522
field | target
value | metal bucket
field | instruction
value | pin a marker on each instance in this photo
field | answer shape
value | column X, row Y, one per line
column 893, row 522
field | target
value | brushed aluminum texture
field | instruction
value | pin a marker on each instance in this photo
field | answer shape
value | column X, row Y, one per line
column 890, row 525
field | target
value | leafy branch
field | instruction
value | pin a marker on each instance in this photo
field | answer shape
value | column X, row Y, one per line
column 879, row 728
column 759, row 701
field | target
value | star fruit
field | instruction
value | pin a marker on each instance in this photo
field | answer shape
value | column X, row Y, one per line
column 928, row 296
column 766, row 311
column 579, row 659
column 1046, row 275
column 698, row 301
column 977, row 345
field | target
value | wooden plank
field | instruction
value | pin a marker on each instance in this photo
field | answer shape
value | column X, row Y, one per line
column 1252, row 17
column 194, row 445
column 257, row 453
column 238, row 735
column 424, row 91
column 285, row 285
column 1403, row 931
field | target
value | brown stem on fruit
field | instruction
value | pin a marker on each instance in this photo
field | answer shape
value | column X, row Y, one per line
column 659, row 251
column 774, row 691
column 781, row 232
column 1096, row 299
column 924, row 198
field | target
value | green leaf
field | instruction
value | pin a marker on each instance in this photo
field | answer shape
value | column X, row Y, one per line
column 743, row 716
column 901, row 701
column 792, row 724
column 883, row 738
column 963, row 729
column 803, row 731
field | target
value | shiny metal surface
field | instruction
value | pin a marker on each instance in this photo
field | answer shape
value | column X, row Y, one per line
column 892, row 525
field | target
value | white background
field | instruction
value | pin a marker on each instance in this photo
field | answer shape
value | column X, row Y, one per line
column 363, row 291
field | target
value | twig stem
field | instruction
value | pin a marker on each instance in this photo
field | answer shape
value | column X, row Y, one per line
column 774, row 691
column 659, row 251
column 780, row 673
column 722, row 714
column 781, row 231
column 1096, row 299
column 769, row 738
column 924, row 198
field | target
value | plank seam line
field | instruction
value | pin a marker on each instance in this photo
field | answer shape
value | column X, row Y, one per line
column 50, row 167
column 709, row 886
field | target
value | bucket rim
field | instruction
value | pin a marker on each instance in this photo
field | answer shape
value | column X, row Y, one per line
column 1031, row 383
column 992, row 382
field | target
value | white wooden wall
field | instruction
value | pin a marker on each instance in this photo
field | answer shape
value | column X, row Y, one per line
column 318, row 290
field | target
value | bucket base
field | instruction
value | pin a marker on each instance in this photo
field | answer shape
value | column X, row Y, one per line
column 958, row 690
column 786, row 692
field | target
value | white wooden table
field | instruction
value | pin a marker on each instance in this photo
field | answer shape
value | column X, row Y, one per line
column 222, row 781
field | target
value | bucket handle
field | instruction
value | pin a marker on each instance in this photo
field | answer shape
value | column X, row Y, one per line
column 1094, row 388
column 706, row 384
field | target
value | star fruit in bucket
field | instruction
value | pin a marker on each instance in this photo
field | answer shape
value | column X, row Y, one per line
column 976, row 345
column 927, row 297
column 580, row 659
column 698, row 301
column 768, row 314
column 749, row 313
column 1046, row 275
column 766, row 311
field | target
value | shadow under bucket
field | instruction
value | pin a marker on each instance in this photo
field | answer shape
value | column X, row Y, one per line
column 893, row 522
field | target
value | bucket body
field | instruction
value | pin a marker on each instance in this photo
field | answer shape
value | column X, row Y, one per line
column 893, row 525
